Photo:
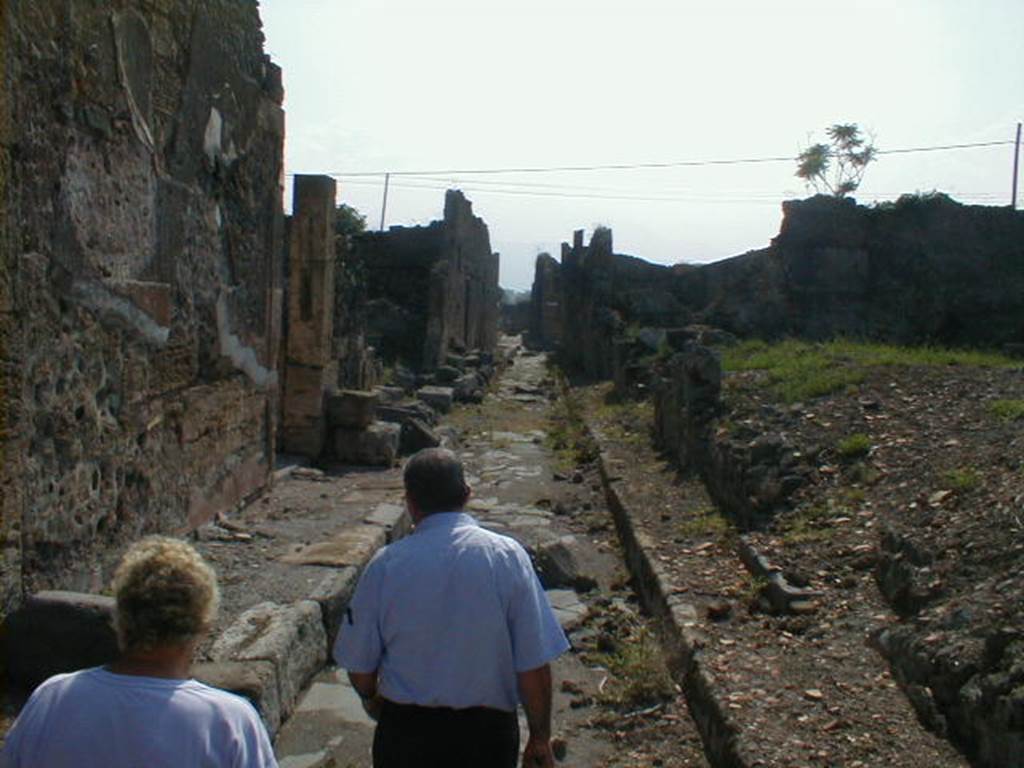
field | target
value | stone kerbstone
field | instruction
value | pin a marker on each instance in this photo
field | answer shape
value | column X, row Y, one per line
column 55, row 632
column 393, row 518
column 255, row 680
column 375, row 446
column 416, row 436
column 438, row 398
column 352, row 409
column 291, row 637
column 333, row 593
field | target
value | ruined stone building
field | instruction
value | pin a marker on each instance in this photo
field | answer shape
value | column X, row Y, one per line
column 921, row 270
column 431, row 290
column 140, row 248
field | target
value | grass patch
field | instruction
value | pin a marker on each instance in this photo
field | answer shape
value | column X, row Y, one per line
column 567, row 436
column 962, row 479
column 808, row 523
column 706, row 523
column 641, row 676
column 854, row 446
column 1007, row 410
column 800, row 370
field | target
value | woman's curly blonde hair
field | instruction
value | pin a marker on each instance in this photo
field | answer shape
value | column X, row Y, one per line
column 166, row 594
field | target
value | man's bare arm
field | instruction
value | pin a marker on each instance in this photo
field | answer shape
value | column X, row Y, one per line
column 535, row 692
column 365, row 684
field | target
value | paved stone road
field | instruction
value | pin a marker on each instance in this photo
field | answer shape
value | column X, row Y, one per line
column 512, row 475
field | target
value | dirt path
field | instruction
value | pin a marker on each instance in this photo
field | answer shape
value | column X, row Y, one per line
column 615, row 704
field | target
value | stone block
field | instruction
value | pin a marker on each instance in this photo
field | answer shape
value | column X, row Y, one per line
column 254, row 680
column 352, row 409
column 389, row 394
column 558, row 567
column 438, row 398
column 467, row 389
column 399, row 414
column 55, row 632
column 416, row 436
column 446, row 374
column 375, row 446
column 291, row 637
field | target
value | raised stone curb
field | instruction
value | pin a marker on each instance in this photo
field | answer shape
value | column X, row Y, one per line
column 292, row 637
column 683, row 635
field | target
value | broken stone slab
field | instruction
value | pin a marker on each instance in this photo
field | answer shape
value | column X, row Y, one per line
column 375, row 446
column 291, row 637
column 55, row 632
column 558, row 567
column 393, row 518
column 415, row 436
column 352, row 409
column 438, row 398
column 333, row 593
column 568, row 609
column 388, row 394
column 398, row 414
column 254, row 680
column 468, row 389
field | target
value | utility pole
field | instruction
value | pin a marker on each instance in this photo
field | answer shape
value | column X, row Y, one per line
column 387, row 180
column 1016, row 165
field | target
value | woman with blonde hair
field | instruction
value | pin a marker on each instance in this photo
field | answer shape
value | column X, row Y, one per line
column 144, row 709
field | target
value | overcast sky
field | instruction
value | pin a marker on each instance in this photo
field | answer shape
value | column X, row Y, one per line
column 407, row 85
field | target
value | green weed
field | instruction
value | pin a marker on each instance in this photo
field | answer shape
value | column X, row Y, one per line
column 1007, row 410
column 962, row 479
column 854, row 446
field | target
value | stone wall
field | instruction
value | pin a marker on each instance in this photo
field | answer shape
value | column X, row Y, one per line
column 431, row 290
column 921, row 270
column 144, row 288
column 10, row 489
column 604, row 293
column 925, row 269
column 545, row 330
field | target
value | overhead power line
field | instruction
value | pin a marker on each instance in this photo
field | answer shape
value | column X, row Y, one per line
column 642, row 166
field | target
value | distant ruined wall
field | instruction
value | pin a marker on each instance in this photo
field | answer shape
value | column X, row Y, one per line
column 545, row 330
column 603, row 293
column 431, row 290
column 144, row 286
column 922, row 270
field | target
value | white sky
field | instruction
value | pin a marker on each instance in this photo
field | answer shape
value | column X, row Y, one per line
column 399, row 85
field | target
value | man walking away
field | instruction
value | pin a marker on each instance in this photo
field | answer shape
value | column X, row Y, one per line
column 449, row 629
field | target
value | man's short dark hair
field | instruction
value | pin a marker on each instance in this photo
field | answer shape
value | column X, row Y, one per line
column 435, row 482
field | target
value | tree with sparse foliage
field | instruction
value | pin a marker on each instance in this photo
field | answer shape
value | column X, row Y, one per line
column 348, row 221
column 836, row 168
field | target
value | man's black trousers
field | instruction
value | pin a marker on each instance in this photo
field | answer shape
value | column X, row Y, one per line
column 409, row 736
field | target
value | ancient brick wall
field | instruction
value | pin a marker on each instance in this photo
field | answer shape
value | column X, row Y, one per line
column 146, row 285
column 431, row 290
column 10, row 489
